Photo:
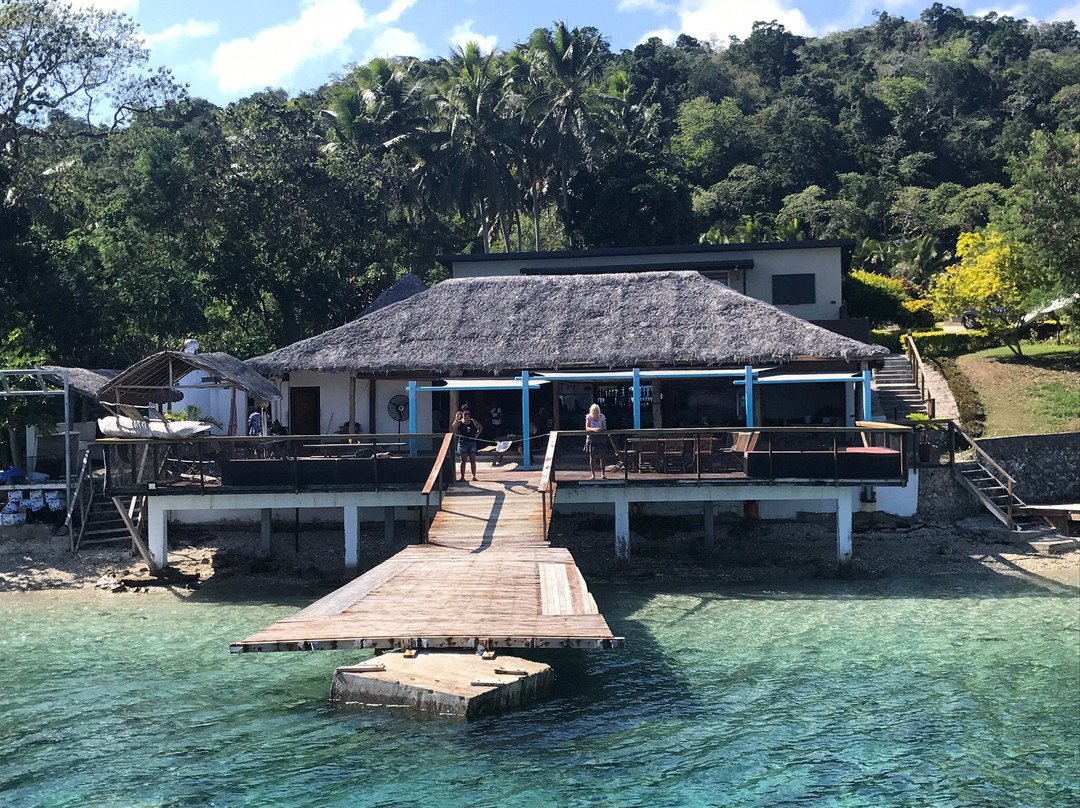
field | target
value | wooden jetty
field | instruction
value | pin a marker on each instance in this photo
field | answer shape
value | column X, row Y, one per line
column 487, row 576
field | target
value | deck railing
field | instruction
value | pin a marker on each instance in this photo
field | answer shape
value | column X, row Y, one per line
column 211, row 464
column 437, row 479
column 547, row 484
column 869, row 453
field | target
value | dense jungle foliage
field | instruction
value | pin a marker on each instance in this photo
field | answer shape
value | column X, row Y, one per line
column 134, row 216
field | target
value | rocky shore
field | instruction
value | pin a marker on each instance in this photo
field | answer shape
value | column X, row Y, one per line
column 665, row 551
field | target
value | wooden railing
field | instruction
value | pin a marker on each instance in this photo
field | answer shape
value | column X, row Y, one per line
column 206, row 464
column 989, row 464
column 918, row 373
column 437, row 479
column 870, row 453
column 547, row 486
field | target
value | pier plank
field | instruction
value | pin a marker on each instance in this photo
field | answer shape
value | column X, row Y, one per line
column 486, row 575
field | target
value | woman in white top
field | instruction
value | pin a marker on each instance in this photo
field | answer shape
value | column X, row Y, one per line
column 595, row 423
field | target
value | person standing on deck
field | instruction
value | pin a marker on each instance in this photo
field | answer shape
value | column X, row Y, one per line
column 496, row 421
column 595, row 423
column 467, row 431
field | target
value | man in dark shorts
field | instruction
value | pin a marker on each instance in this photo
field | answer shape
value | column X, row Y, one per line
column 467, row 431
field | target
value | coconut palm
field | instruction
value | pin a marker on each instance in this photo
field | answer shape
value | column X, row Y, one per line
column 469, row 136
column 568, row 66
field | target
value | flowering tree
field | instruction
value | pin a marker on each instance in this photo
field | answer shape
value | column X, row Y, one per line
column 990, row 278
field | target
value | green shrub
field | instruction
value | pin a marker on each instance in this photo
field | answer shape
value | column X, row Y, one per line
column 890, row 339
column 920, row 314
column 952, row 343
column 877, row 298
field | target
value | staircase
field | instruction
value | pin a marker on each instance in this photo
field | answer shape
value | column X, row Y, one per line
column 896, row 393
column 994, row 488
column 104, row 523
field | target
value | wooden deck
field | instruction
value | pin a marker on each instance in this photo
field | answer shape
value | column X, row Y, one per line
column 487, row 576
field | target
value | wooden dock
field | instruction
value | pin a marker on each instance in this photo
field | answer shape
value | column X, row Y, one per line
column 486, row 577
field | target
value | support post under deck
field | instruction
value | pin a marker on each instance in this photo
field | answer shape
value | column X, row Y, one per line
column 388, row 525
column 352, row 537
column 266, row 531
column 843, row 529
column 710, row 524
column 622, row 533
column 157, row 532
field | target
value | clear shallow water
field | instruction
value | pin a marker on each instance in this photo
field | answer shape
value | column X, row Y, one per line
column 914, row 692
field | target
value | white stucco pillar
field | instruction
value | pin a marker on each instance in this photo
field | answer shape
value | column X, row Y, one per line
column 157, row 531
column 622, row 532
column 843, row 528
column 352, row 537
column 849, row 404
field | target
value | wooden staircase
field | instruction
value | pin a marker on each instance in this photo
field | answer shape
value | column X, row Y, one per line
column 993, row 487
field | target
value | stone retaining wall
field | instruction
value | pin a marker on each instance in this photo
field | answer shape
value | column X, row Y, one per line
column 1046, row 467
column 942, row 499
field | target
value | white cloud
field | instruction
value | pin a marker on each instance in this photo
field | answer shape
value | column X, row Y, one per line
column 1066, row 13
column 192, row 29
column 394, row 12
column 719, row 19
column 274, row 54
column 126, row 6
column 666, row 35
column 643, row 5
column 1019, row 11
column 395, row 42
column 463, row 33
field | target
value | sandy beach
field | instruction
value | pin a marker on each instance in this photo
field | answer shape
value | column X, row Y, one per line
column 665, row 551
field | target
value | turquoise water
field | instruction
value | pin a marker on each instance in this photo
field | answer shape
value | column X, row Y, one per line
column 927, row 692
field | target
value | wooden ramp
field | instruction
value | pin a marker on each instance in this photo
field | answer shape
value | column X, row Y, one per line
column 487, row 576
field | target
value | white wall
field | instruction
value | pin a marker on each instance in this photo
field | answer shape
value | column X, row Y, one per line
column 823, row 262
column 334, row 402
column 214, row 401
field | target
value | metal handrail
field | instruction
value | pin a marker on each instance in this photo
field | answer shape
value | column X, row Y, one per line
column 918, row 373
column 77, row 501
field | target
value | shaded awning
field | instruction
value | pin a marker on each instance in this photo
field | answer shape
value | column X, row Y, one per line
column 150, row 378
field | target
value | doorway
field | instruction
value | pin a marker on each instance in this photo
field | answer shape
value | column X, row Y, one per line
column 304, row 411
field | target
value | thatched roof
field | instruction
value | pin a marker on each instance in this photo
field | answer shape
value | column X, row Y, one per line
column 156, row 375
column 495, row 325
column 403, row 288
column 83, row 381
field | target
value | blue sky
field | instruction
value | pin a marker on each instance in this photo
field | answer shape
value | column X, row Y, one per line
column 227, row 49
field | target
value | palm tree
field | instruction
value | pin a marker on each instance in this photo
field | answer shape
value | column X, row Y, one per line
column 470, row 154
column 568, row 65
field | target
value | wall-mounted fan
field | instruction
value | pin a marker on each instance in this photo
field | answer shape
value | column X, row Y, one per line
column 398, row 407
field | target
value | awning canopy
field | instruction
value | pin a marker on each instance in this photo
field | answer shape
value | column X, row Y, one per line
column 446, row 385
column 149, row 378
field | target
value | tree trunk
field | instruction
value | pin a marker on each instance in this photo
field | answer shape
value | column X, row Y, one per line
column 536, row 215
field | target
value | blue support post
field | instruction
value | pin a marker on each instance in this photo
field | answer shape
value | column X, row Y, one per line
column 749, row 395
column 412, row 418
column 525, row 436
column 867, row 413
column 637, row 398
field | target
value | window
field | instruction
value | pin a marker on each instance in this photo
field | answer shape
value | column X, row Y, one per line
column 793, row 289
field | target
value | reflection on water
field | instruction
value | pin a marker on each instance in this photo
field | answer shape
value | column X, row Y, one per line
column 920, row 692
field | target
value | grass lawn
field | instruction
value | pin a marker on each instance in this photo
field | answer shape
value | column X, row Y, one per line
column 1032, row 394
